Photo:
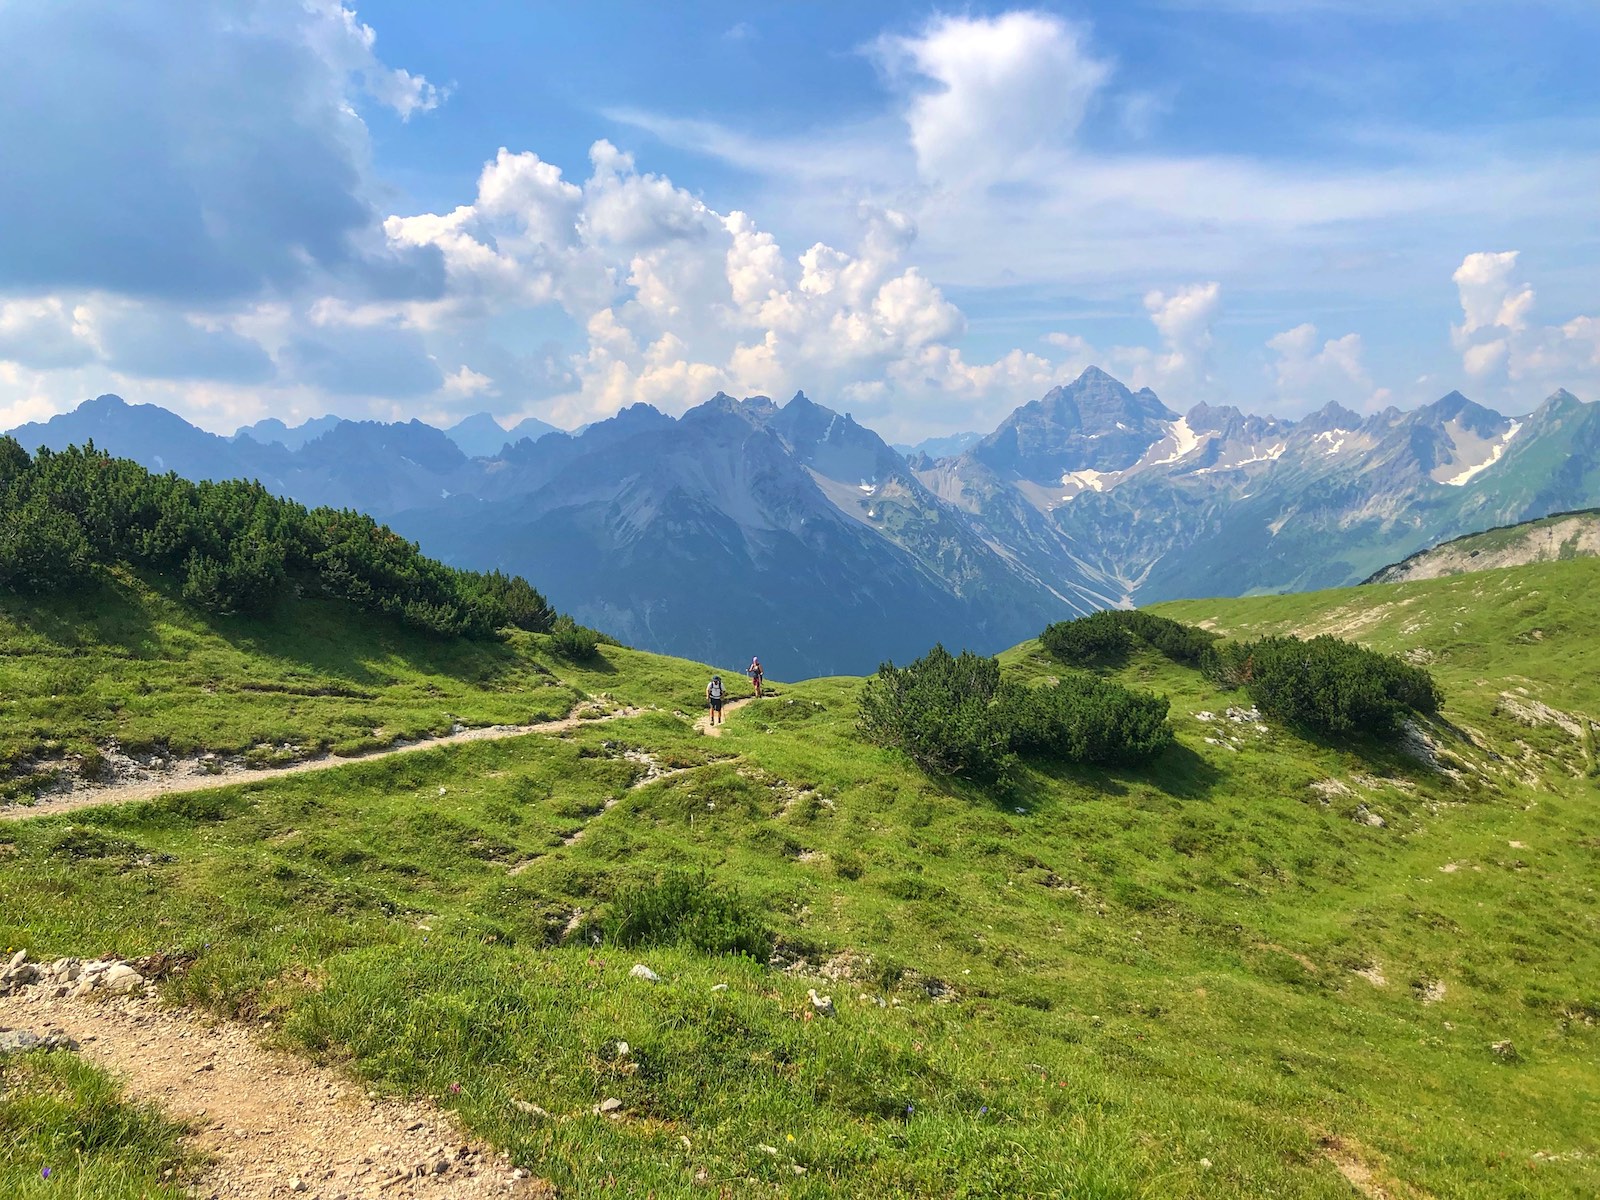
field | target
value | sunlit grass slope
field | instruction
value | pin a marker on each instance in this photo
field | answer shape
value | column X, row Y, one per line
column 126, row 663
column 1215, row 976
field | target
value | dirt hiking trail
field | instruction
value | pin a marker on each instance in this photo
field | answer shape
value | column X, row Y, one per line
column 190, row 777
column 704, row 724
column 271, row 1124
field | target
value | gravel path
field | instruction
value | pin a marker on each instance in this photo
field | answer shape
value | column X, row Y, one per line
column 272, row 1124
column 191, row 777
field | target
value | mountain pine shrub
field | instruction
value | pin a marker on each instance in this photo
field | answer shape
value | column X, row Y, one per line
column 1326, row 685
column 233, row 546
column 955, row 716
column 1109, row 635
column 573, row 641
column 940, row 712
column 1086, row 719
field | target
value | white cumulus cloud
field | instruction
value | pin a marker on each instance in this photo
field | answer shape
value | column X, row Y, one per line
column 984, row 95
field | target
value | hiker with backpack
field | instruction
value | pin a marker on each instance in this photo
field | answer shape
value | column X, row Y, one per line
column 754, row 671
column 714, row 695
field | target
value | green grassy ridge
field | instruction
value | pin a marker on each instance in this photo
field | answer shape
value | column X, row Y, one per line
column 1148, row 968
column 130, row 664
column 1496, row 538
column 1480, row 634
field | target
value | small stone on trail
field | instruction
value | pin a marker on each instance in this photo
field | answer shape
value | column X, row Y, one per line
column 640, row 971
column 122, row 980
column 609, row 1105
column 16, row 1040
column 297, row 1185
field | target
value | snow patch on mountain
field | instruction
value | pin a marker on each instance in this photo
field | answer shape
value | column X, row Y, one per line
column 1078, row 482
column 1477, row 454
column 1334, row 438
column 1185, row 441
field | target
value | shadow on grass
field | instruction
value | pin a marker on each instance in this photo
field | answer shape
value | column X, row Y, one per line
column 336, row 639
column 1178, row 772
column 326, row 636
column 106, row 613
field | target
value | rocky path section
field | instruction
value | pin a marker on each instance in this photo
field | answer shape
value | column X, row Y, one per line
column 197, row 774
column 268, row 1124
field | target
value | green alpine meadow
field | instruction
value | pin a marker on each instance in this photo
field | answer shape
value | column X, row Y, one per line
column 1220, row 944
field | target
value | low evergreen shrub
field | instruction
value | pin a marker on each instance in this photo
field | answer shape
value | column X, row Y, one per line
column 233, row 546
column 573, row 641
column 1109, row 635
column 955, row 716
column 1326, row 685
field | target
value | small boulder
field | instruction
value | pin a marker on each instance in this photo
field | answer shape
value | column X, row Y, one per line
column 14, row 1041
column 608, row 1106
column 1505, row 1052
column 640, row 971
column 122, row 980
column 822, row 1004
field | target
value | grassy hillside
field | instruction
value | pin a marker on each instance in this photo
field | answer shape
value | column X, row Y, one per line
column 1218, row 975
column 125, row 663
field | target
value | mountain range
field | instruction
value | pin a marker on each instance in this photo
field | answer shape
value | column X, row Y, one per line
column 793, row 532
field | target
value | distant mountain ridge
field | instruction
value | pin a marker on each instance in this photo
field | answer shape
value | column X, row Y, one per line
column 792, row 531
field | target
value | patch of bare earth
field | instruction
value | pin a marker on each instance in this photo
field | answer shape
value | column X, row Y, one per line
column 269, row 1124
column 1368, row 1179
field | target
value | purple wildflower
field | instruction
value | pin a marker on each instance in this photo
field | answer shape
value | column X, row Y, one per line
column 45, row 1174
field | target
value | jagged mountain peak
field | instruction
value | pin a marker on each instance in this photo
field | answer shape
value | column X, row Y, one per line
column 1455, row 410
column 1330, row 418
column 1093, row 423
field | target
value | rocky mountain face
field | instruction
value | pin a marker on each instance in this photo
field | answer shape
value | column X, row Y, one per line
column 1550, row 539
column 796, row 533
column 741, row 528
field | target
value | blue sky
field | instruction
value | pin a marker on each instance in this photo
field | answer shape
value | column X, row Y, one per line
column 924, row 215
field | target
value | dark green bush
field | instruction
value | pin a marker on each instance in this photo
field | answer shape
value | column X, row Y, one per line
column 41, row 550
column 939, row 711
column 1325, row 684
column 683, row 908
column 1085, row 719
column 1109, row 636
column 573, row 641
column 236, row 547
column 1096, row 638
column 954, row 716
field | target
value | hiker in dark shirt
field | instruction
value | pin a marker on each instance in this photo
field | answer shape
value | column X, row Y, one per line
column 754, row 671
column 714, row 696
